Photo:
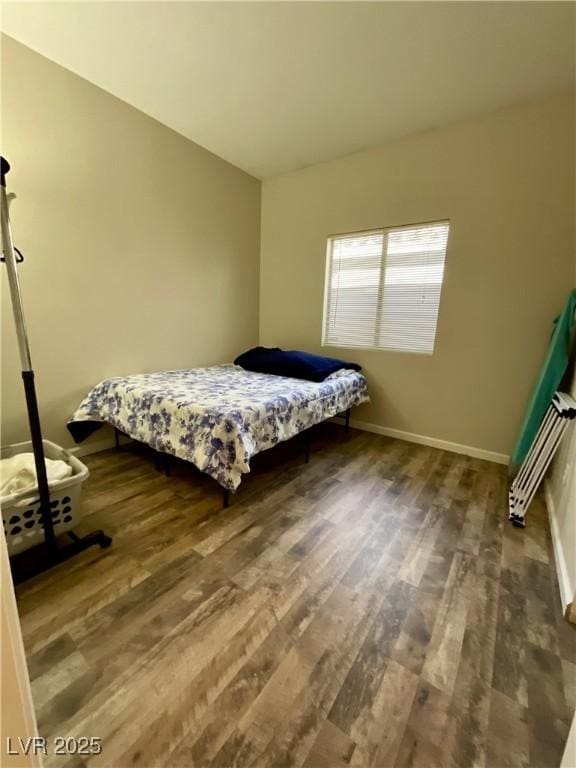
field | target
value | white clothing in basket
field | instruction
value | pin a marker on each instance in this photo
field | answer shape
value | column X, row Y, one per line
column 18, row 473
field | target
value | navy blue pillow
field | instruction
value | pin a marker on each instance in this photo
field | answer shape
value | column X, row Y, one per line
column 292, row 363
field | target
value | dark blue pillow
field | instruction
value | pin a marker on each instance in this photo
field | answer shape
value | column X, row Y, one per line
column 292, row 363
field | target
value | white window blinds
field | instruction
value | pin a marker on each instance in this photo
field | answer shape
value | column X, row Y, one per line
column 383, row 288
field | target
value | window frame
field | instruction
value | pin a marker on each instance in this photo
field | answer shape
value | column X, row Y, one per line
column 328, row 272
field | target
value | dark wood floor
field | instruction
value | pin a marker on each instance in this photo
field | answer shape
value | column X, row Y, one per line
column 371, row 608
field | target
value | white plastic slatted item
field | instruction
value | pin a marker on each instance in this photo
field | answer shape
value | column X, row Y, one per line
column 383, row 288
column 21, row 513
column 560, row 412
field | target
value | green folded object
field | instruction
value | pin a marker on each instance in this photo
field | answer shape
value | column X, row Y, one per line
column 548, row 382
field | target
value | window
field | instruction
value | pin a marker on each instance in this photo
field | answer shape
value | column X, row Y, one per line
column 383, row 288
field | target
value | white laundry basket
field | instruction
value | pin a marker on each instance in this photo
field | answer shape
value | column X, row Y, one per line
column 21, row 511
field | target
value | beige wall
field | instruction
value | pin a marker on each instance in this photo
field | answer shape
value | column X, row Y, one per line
column 506, row 182
column 142, row 252
column 141, row 248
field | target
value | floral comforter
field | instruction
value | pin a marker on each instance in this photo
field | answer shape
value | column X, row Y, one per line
column 217, row 417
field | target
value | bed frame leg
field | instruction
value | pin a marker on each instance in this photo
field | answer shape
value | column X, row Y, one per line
column 163, row 463
column 347, row 423
column 225, row 499
column 116, row 439
column 307, row 441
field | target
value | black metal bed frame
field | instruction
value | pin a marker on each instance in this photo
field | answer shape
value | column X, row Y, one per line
column 163, row 460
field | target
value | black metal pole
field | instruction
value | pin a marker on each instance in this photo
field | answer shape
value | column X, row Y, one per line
column 39, row 461
column 26, row 362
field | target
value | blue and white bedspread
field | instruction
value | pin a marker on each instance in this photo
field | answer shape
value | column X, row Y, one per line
column 217, row 417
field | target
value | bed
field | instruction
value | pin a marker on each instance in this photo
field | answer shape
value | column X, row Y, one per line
column 218, row 417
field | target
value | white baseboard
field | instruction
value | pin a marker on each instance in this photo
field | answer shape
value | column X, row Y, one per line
column 433, row 442
column 410, row 437
column 97, row 446
column 567, row 589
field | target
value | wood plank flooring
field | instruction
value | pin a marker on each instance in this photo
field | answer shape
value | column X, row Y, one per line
column 373, row 608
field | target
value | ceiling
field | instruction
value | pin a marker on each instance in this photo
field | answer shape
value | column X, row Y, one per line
column 275, row 86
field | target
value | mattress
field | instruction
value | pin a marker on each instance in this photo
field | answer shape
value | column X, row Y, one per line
column 216, row 417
